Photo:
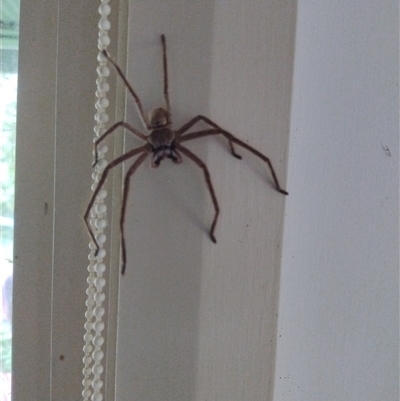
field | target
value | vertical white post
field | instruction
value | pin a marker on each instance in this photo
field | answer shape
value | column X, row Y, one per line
column 338, row 315
column 198, row 320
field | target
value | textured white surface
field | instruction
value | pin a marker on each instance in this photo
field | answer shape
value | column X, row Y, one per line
column 338, row 315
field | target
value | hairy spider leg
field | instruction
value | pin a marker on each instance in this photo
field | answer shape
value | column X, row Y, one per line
column 138, row 103
column 110, row 131
column 119, row 160
column 207, row 177
column 198, row 118
column 165, row 69
column 231, row 138
column 128, row 175
column 262, row 157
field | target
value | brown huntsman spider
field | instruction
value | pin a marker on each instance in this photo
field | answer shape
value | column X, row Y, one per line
column 163, row 142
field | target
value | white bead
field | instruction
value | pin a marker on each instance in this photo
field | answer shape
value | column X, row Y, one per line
column 90, row 291
column 101, row 58
column 88, row 326
column 99, row 327
column 98, row 355
column 98, row 341
column 86, row 382
column 101, row 254
column 103, row 102
column 103, row 86
column 97, row 384
column 102, row 194
column 88, row 337
column 92, row 245
column 101, row 223
column 96, row 177
column 103, row 71
column 97, row 369
column 86, row 371
column 104, row 9
column 99, row 297
column 87, row 348
column 100, row 282
column 104, row 41
column 101, row 117
column 101, row 208
column 91, row 257
column 91, row 266
column 99, row 130
column 101, row 238
column 87, row 360
column 100, row 268
column 99, row 312
column 104, row 24
column 97, row 397
column 90, row 280
column 102, row 164
column 88, row 314
column 98, row 94
column 90, row 303
column 86, row 393
column 103, row 149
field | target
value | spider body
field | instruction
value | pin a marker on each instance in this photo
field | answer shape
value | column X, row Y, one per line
column 163, row 142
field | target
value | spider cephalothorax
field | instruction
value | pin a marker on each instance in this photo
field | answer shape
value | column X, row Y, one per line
column 164, row 142
column 164, row 151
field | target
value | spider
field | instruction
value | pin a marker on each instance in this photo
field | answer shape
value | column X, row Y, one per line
column 163, row 142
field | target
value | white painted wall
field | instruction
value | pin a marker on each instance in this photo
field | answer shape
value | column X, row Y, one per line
column 196, row 320
column 338, row 314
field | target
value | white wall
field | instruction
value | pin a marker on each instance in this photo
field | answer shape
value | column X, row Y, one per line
column 197, row 320
column 338, row 314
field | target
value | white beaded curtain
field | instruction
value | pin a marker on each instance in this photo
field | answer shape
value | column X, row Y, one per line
column 94, row 326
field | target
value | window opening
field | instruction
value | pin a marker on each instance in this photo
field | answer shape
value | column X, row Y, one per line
column 9, row 28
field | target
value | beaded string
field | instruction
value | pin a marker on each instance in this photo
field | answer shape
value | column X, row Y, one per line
column 94, row 326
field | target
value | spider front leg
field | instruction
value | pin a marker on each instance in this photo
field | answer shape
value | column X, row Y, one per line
column 232, row 139
column 218, row 130
column 139, row 106
column 165, row 70
column 262, row 157
column 110, row 131
column 145, row 148
column 203, row 166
